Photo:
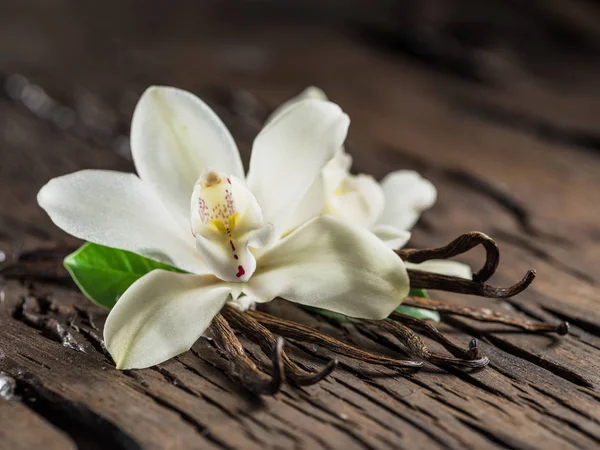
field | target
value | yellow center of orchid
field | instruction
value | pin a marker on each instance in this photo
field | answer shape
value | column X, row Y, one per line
column 224, row 219
column 215, row 203
column 346, row 186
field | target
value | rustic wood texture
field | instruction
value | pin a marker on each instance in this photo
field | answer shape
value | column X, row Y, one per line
column 507, row 131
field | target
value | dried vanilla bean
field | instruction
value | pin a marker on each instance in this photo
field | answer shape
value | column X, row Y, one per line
column 416, row 346
column 458, row 246
column 431, row 331
column 303, row 333
column 486, row 315
column 434, row 281
column 254, row 331
column 241, row 366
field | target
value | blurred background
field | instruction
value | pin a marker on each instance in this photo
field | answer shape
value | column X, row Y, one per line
column 484, row 90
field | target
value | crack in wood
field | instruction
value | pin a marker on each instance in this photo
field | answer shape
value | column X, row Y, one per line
column 502, row 438
column 135, row 375
column 50, row 327
column 460, row 410
column 199, row 392
column 590, row 327
column 200, row 374
column 563, row 402
column 560, row 434
column 362, row 411
column 556, row 369
column 503, row 344
column 187, row 418
column 440, row 439
column 86, row 428
column 171, row 379
column 335, row 422
column 174, row 380
column 546, row 412
column 96, row 341
column 35, row 361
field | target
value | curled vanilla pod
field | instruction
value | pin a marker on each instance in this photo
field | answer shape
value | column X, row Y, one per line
column 257, row 333
column 432, row 332
column 476, row 286
column 417, row 346
column 241, row 366
column 434, row 281
column 458, row 246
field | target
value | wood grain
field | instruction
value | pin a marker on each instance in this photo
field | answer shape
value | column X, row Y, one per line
column 513, row 155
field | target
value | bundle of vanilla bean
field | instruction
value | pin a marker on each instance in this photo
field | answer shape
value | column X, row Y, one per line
column 267, row 330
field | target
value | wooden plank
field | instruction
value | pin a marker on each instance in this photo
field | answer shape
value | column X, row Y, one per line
column 23, row 430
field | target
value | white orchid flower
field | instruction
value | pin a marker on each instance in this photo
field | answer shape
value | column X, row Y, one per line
column 388, row 209
column 232, row 242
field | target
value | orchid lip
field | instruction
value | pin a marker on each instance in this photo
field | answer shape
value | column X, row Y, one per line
column 214, row 201
column 224, row 215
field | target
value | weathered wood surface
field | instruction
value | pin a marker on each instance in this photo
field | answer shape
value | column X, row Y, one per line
column 514, row 155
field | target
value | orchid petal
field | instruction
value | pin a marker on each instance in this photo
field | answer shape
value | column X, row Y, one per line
column 117, row 210
column 289, row 153
column 243, row 303
column 262, row 238
column 443, row 267
column 331, row 264
column 407, row 195
column 175, row 136
column 392, row 237
column 358, row 199
column 308, row 93
column 310, row 206
column 218, row 254
column 313, row 202
column 341, row 161
column 161, row 316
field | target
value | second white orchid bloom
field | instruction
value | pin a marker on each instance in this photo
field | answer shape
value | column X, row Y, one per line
column 389, row 208
column 193, row 208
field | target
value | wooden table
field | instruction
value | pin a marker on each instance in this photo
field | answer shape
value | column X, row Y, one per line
column 511, row 144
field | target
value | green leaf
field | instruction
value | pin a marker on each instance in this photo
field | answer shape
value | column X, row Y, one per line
column 103, row 274
column 419, row 313
column 416, row 292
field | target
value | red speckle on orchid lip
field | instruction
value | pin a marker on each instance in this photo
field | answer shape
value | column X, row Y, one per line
column 241, row 272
